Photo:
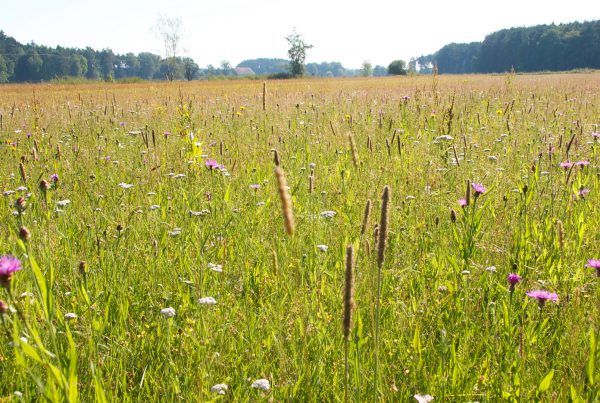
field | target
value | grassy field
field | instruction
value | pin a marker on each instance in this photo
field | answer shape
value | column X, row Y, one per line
column 141, row 197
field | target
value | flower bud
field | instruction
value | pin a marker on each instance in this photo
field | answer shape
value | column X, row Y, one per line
column 24, row 234
column 83, row 267
column 3, row 307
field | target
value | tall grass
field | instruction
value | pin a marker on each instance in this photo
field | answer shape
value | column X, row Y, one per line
column 201, row 231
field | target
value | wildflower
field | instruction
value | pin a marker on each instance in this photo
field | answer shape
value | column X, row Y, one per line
column 167, row 312
column 62, row 203
column 8, row 266
column 3, row 307
column 423, row 398
column 219, row 388
column 255, row 186
column 596, row 135
column 262, row 384
column 207, row 301
column 154, row 207
column 328, row 214
column 583, row 192
column 442, row 138
column 24, row 234
column 124, row 185
column 491, row 269
column 582, row 163
column 513, row 279
column 406, row 98
column 542, row 296
column 70, row 316
column 20, row 205
column 322, row 248
column 566, row 164
column 175, row 232
column 478, row 188
column 594, row 264
column 212, row 164
column 215, row 267
column 462, row 202
column 82, row 267
column 54, row 178
column 312, row 165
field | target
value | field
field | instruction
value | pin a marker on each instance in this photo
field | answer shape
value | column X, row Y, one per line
column 123, row 200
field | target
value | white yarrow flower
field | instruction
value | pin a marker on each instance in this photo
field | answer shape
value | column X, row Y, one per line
column 168, row 312
column 219, row 388
column 124, row 185
column 62, row 203
column 262, row 384
column 207, row 301
column 215, row 267
column 423, row 398
column 154, row 207
column 322, row 248
column 70, row 316
column 328, row 214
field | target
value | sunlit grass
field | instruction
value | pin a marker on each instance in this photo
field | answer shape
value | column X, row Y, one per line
column 250, row 303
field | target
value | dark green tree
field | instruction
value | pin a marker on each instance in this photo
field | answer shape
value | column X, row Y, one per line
column 397, row 68
column 297, row 53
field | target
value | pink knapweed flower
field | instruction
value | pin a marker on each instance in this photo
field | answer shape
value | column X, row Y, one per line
column 211, row 164
column 462, row 202
column 594, row 264
column 583, row 192
column 566, row 164
column 542, row 296
column 513, row 279
column 478, row 188
column 583, row 163
column 8, row 266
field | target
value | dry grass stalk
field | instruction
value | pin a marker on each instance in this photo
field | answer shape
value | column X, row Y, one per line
column 286, row 202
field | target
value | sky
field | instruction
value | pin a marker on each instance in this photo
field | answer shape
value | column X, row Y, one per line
column 350, row 32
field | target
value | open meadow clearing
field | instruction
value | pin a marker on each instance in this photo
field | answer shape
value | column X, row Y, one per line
column 157, row 262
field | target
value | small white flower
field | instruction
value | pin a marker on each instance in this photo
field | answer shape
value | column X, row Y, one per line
column 134, row 132
column 445, row 137
column 179, row 176
column 328, row 214
column 322, row 248
column 312, row 165
column 68, row 293
column 215, row 267
column 492, row 158
column 219, row 388
column 175, row 232
column 207, row 301
column 22, row 189
column 262, row 384
column 154, row 207
column 151, row 193
column 491, row 269
column 8, row 193
column 423, row 398
column 199, row 213
column 70, row 316
column 18, row 393
column 62, row 203
column 124, row 185
column 260, row 203
column 465, row 272
column 409, row 197
column 168, row 312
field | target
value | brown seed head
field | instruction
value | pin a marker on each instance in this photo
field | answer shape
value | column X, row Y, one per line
column 383, row 226
column 286, row 202
column 349, row 292
column 24, row 234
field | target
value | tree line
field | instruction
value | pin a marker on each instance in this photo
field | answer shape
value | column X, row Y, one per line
column 527, row 49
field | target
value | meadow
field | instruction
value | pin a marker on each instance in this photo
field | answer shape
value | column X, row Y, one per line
column 157, row 263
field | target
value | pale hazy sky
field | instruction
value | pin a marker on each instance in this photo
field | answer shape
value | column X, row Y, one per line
column 345, row 31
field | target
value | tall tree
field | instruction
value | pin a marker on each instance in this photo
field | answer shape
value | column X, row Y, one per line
column 169, row 31
column 297, row 53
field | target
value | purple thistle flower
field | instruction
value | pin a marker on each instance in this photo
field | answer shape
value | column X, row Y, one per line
column 594, row 264
column 212, row 164
column 566, row 164
column 542, row 296
column 54, row 178
column 583, row 192
column 596, row 135
column 8, row 266
column 513, row 279
column 478, row 188
column 255, row 186
column 462, row 202
column 122, row 124
column 583, row 163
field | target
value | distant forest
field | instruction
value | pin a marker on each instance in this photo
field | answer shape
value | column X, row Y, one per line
column 527, row 49
column 538, row 48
